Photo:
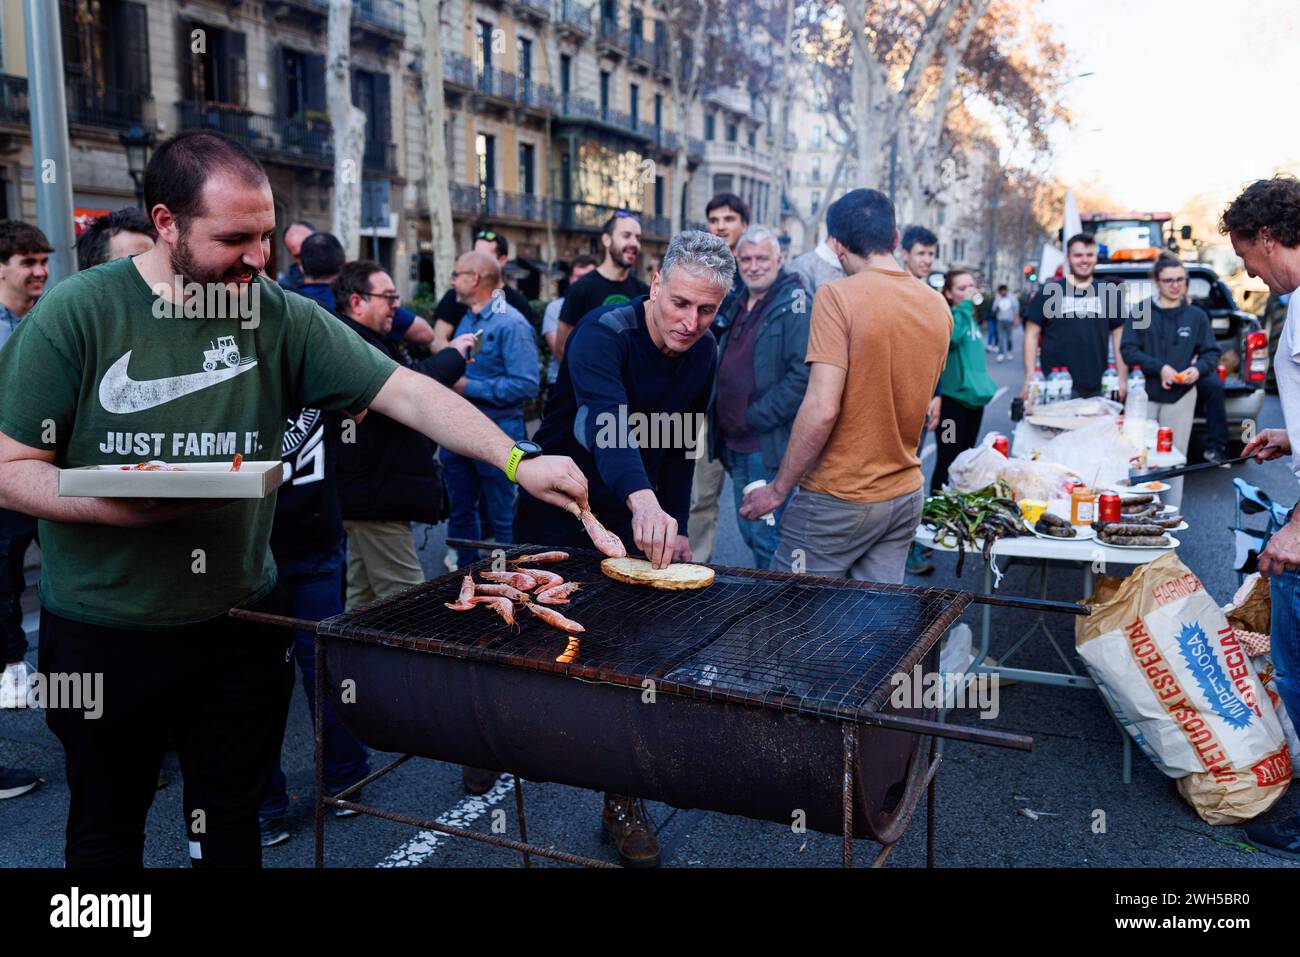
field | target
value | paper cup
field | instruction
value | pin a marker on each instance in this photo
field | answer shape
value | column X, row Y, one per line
column 770, row 517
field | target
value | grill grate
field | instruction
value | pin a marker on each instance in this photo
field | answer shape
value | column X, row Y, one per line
column 789, row 642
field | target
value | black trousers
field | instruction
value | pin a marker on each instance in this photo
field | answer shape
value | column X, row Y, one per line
column 17, row 532
column 965, row 432
column 1216, row 414
column 221, row 689
column 538, row 523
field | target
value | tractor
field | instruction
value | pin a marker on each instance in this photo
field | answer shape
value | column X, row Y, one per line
column 224, row 350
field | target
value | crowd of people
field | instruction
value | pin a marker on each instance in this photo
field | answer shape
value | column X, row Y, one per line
column 816, row 382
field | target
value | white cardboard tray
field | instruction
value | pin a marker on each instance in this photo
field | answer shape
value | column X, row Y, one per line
column 198, row 480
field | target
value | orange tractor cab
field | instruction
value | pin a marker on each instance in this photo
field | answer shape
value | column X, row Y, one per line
column 1133, row 236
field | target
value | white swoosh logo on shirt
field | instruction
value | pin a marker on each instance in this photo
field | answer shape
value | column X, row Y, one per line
column 119, row 393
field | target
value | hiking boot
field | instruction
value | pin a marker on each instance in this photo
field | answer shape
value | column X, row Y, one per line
column 1281, row 839
column 918, row 560
column 478, row 780
column 626, row 822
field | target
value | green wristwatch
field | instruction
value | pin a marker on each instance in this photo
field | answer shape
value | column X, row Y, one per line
column 523, row 450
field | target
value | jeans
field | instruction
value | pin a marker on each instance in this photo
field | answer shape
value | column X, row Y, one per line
column 762, row 538
column 1005, row 327
column 17, row 531
column 1216, row 415
column 468, row 479
column 1284, row 648
column 313, row 586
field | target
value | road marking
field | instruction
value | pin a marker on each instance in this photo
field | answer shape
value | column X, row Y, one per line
column 421, row 847
column 997, row 395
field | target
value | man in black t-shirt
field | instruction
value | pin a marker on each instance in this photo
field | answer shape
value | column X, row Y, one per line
column 1072, row 320
column 449, row 312
column 610, row 283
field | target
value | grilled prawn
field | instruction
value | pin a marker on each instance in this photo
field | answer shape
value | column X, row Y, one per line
column 554, row 618
column 463, row 603
column 514, row 579
column 557, row 594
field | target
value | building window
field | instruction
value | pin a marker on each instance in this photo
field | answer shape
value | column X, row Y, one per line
column 221, row 74
column 483, row 47
column 709, row 126
column 816, row 202
column 942, row 213
column 370, row 95
column 604, row 94
column 485, row 151
column 566, row 74
column 659, row 195
column 634, row 101
column 722, row 183
column 817, row 136
column 753, row 138
column 302, row 83
column 527, row 154
column 732, row 131
column 816, row 169
column 105, row 57
column 659, row 110
column 524, row 55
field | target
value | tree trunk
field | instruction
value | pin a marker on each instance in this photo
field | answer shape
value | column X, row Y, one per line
column 349, row 129
column 785, row 99
column 437, row 176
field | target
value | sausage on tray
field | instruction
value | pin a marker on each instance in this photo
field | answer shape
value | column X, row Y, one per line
column 1147, row 541
column 1130, row 528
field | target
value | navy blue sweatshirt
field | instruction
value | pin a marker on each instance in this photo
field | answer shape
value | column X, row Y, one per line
column 613, row 379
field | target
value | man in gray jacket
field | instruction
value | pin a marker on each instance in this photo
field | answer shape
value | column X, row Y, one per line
column 761, row 378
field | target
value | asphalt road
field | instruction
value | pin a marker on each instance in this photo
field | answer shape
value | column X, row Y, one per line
column 1073, row 772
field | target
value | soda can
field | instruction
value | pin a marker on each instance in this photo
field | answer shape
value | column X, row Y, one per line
column 1223, row 372
column 1003, row 445
column 1165, row 440
column 1108, row 508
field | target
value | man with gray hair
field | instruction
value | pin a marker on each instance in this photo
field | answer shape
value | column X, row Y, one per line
column 628, row 405
column 761, row 378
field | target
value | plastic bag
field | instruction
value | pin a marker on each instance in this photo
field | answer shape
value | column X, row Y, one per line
column 1189, row 694
column 1096, row 452
column 976, row 468
column 1037, row 480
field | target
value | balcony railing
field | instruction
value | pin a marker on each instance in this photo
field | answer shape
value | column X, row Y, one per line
column 515, row 88
column 694, row 147
column 13, row 99
column 593, row 216
column 538, row 6
column 384, row 14
column 458, row 69
column 613, row 34
column 725, row 151
column 579, row 106
column 647, row 51
column 498, row 203
column 575, row 15
column 275, row 137
column 106, row 107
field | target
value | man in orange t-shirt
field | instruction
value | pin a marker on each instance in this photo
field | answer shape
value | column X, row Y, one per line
column 877, row 343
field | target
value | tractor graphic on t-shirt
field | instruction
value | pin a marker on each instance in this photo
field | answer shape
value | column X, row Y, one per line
column 223, row 350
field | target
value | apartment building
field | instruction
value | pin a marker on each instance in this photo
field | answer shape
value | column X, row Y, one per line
column 737, row 156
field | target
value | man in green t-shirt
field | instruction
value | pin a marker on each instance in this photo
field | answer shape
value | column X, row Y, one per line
column 186, row 353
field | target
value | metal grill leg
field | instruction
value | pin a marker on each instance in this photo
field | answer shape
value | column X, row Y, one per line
column 319, row 718
column 850, row 739
column 519, row 809
column 929, row 810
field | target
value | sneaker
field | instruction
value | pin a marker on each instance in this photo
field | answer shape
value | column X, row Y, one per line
column 1216, row 455
column 478, row 780
column 15, row 684
column 347, row 811
column 273, row 831
column 918, row 560
column 15, row 782
column 1281, row 839
column 449, row 560
column 626, row 823
column 1001, row 357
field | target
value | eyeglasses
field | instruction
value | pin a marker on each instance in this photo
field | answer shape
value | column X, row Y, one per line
column 391, row 297
column 1176, row 281
column 462, row 272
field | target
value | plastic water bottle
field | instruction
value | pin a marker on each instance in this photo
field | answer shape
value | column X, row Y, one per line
column 1110, row 383
column 1054, row 386
column 1037, row 387
column 1067, row 385
column 1135, row 411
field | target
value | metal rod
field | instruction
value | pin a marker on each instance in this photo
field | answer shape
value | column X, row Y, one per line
column 958, row 732
column 1184, row 469
column 319, row 748
column 519, row 809
column 883, row 856
column 850, row 739
column 373, row 776
column 495, row 841
column 52, row 169
column 1033, row 604
column 262, row 618
column 931, row 791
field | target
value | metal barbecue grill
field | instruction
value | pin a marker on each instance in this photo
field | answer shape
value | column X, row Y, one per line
column 765, row 694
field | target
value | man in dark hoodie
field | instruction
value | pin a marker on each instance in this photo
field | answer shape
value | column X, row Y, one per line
column 1173, row 342
column 307, row 536
column 387, row 476
column 761, row 378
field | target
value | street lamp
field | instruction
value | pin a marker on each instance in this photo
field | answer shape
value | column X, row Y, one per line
column 138, row 142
